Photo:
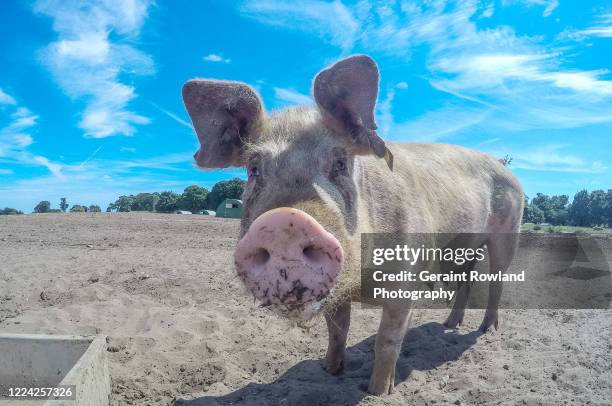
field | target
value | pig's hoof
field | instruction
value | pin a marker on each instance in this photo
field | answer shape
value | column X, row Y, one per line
column 383, row 386
column 490, row 319
column 455, row 318
column 377, row 389
column 334, row 366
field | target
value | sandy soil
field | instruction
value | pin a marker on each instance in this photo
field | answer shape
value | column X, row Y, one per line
column 180, row 326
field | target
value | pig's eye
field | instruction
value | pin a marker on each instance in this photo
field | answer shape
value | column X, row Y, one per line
column 340, row 166
column 253, row 171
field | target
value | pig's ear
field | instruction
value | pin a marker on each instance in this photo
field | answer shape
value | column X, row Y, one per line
column 225, row 116
column 346, row 94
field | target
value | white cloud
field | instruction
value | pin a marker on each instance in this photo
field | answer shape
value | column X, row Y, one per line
column 216, row 58
column 549, row 5
column 87, row 61
column 6, row 98
column 15, row 138
column 54, row 168
column 330, row 20
column 290, row 96
column 401, row 85
column 518, row 81
column 488, row 11
column 602, row 29
column 553, row 158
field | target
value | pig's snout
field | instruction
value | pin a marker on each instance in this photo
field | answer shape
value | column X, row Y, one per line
column 287, row 258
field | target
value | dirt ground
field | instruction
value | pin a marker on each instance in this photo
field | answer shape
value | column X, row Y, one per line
column 180, row 326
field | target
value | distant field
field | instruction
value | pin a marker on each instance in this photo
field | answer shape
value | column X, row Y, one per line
column 564, row 229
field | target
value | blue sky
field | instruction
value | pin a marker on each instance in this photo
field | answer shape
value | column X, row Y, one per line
column 90, row 104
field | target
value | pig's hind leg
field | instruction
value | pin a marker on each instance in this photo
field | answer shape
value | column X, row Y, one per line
column 501, row 248
column 455, row 318
column 338, row 321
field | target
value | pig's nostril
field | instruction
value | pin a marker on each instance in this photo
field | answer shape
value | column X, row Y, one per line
column 260, row 257
column 313, row 254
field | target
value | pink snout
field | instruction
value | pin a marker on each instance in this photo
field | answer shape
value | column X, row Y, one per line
column 287, row 258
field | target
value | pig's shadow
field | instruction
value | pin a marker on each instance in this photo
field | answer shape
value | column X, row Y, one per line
column 306, row 383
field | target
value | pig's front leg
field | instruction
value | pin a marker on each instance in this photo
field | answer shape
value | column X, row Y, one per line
column 338, row 321
column 393, row 326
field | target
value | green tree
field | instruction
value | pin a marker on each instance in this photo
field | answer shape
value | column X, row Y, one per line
column 597, row 207
column 558, row 213
column 63, row 204
column 533, row 214
column 226, row 189
column 145, row 202
column 543, row 202
column 193, row 198
column 608, row 208
column 579, row 209
column 123, row 203
column 94, row 208
column 77, row 208
column 9, row 211
column 42, row 207
column 168, row 202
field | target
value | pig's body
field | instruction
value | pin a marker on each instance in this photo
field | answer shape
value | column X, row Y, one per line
column 317, row 182
column 436, row 188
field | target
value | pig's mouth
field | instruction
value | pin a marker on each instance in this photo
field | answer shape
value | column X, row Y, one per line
column 289, row 262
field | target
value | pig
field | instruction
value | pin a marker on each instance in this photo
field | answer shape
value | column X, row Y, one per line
column 319, row 176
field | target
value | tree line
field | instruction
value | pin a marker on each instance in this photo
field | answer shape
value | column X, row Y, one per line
column 194, row 198
column 585, row 210
column 45, row 207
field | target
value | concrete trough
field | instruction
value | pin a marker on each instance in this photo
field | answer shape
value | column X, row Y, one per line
column 74, row 364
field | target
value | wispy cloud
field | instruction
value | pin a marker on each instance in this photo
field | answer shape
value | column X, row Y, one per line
column 602, row 28
column 553, row 158
column 519, row 81
column 6, row 98
column 216, row 58
column 549, row 5
column 291, row 97
column 489, row 141
column 173, row 116
column 92, row 52
column 488, row 11
column 330, row 20
column 16, row 138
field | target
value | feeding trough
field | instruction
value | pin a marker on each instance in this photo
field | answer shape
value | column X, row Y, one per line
column 53, row 370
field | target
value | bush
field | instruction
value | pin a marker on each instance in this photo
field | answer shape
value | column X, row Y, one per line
column 537, row 227
column 42, row 207
column 9, row 210
column 550, row 229
column 77, row 208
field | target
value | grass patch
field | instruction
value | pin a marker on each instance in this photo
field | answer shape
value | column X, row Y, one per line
column 565, row 229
